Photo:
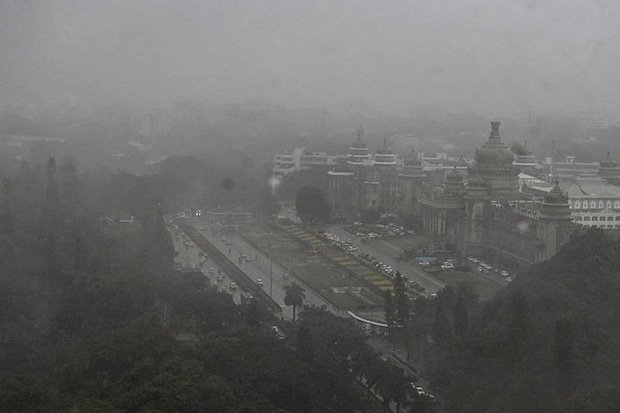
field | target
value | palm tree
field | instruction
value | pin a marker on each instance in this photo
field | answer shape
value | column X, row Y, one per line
column 294, row 295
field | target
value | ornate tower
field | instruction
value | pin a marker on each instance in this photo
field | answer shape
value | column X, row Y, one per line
column 610, row 170
column 555, row 222
column 476, row 204
column 494, row 165
column 410, row 186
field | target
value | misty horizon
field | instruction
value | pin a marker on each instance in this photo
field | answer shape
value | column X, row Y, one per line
column 497, row 59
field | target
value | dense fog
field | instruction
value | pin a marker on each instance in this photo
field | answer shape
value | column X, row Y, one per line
column 494, row 58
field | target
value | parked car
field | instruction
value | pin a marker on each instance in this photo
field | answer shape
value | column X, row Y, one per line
column 259, row 282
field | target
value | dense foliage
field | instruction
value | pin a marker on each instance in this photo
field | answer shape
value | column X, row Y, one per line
column 549, row 342
column 311, row 205
column 95, row 319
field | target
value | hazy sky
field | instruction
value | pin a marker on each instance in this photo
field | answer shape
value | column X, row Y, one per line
column 493, row 57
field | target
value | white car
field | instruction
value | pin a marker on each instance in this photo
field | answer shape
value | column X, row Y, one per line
column 504, row 274
column 259, row 282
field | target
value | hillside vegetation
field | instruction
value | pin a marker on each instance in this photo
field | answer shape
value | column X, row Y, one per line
column 550, row 342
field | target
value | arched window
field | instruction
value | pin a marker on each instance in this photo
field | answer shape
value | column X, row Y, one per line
column 617, row 204
column 601, row 204
column 608, row 204
column 593, row 205
column 577, row 205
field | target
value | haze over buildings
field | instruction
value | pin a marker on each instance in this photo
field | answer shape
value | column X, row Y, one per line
column 495, row 58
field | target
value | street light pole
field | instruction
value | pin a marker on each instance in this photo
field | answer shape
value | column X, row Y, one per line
column 271, row 278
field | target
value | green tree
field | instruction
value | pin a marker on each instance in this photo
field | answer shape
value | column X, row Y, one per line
column 52, row 220
column 393, row 386
column 305, row 346
column 267, row 204
column 311, row 205
column 375, row 372
column 564, row 351
column 461, row 317
column 7, row 221
column 252, row 314
column 441, row 327
column 401, row 301
column 519, row 323
column 294, row 295
column 391, row 316
column 370, row 216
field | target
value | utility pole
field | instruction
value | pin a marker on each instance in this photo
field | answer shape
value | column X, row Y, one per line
column 271, row 278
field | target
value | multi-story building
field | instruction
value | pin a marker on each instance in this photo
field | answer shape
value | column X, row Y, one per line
column 571, row 169
column 298, row 159
column 361, row 181
column 488, row 212
column 593, row 201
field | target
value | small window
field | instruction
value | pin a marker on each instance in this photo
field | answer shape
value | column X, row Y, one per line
column 586, row 218
column 617, row 204
column 593, row 205
column 578, row 218
column 601, row 204
column 577, row 205
column 608, row 204
column 594, row 218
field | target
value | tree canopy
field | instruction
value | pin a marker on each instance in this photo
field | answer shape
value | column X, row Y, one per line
column 311, row 205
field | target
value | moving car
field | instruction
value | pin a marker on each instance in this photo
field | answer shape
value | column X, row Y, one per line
column 259, row 282
column 233, row 285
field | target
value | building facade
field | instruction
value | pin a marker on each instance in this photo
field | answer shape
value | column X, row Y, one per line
column 381, row 181
column 298, row 159
column 489, row 212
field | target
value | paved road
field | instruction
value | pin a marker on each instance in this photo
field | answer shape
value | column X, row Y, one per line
column 188, row 257
column 260, row 266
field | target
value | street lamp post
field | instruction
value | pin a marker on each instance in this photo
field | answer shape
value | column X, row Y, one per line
column 271, row 277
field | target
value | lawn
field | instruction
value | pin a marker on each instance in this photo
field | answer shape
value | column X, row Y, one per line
column 323, row 276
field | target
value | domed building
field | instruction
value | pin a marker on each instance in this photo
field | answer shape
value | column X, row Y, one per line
column 494, row 165
column 488, row 214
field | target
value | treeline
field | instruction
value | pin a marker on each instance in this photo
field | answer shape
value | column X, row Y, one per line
column 94, row 318
column 548, row 343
